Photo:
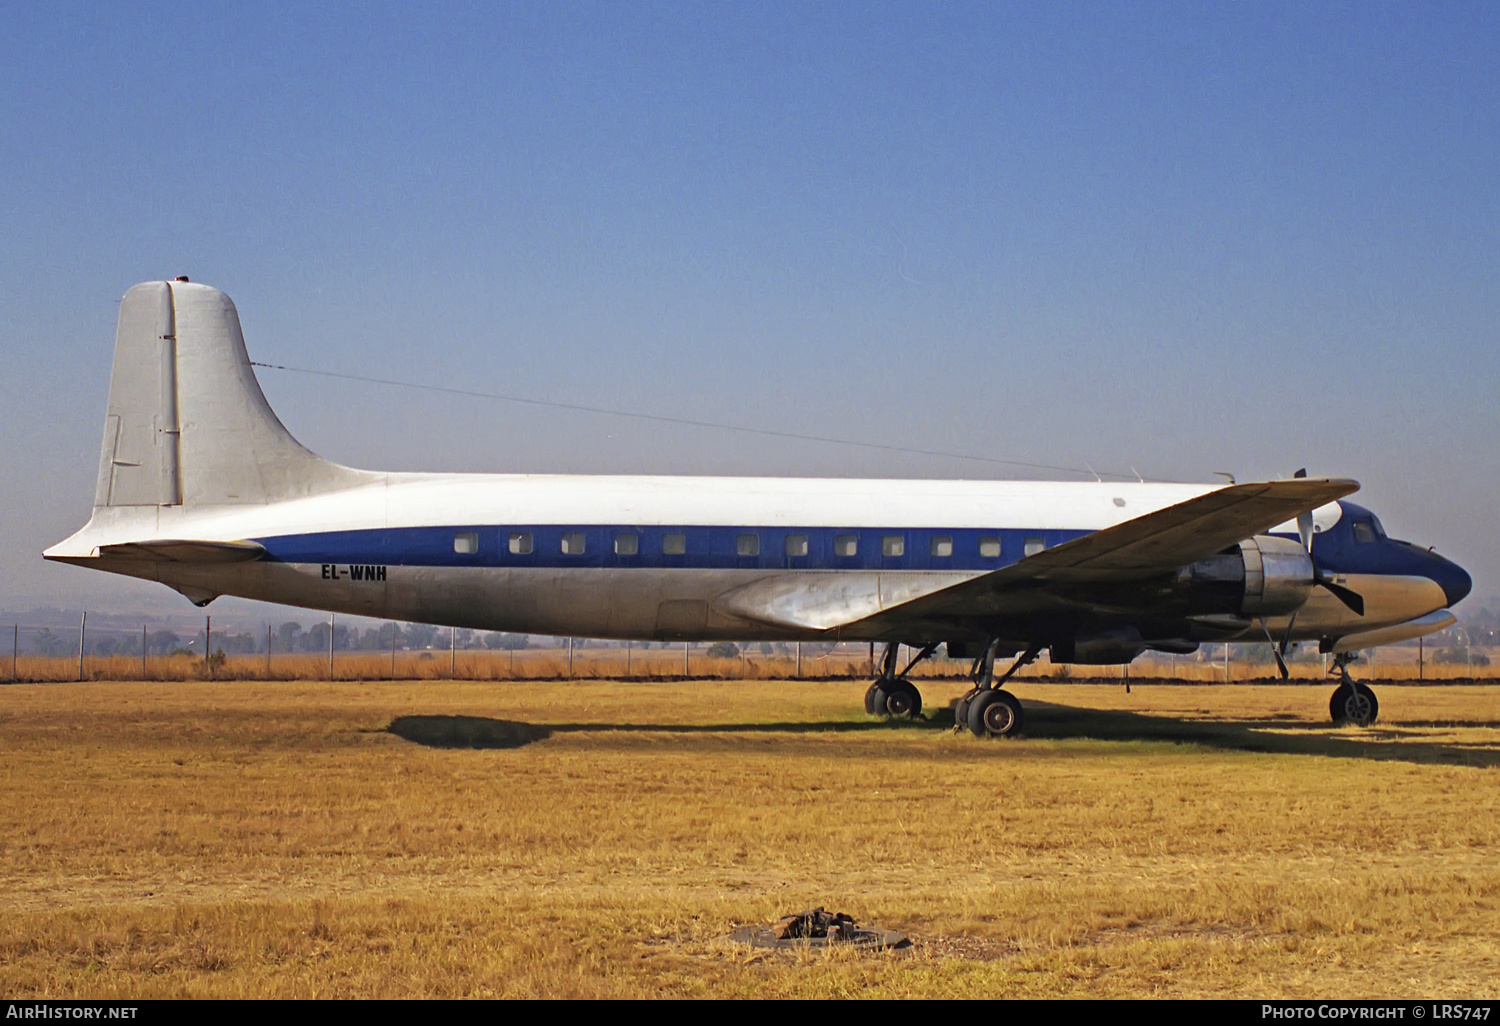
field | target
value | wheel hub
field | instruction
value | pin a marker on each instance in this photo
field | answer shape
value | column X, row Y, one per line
column 998, row 718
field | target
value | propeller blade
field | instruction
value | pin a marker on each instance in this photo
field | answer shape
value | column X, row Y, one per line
column 1352, row 599
column 1286, row 636
column 1305, row 520
column 1277, row 652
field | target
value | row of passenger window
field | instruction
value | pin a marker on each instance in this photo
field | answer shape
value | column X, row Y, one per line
column 628, row 543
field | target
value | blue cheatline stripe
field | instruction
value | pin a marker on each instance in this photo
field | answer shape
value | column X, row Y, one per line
column 715, row 548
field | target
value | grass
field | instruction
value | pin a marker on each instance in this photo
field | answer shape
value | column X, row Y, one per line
column 590, row 838
column 852, row 662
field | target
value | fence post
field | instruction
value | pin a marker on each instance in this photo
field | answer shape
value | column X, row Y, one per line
column 799, row 660
column 268, row 651
column 15, row 649
column 393, row 650
column 143, row 651
column 82, row 625
column 208, row 645
column 684, row 658
column 452, row 652
column 570, row 656
column 331, row 617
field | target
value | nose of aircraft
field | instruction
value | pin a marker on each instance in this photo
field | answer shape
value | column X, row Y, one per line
column 1452, row 578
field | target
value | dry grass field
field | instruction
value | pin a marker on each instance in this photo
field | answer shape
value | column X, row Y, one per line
column 848, row 661
column 601, row 839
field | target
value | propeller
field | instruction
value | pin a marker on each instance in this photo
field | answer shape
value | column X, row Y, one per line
column 1347, row 596
column 1279, row 651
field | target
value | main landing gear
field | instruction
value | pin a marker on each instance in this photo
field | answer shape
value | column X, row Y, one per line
column 1352, row 702
column 986, row 709
column 893, row 694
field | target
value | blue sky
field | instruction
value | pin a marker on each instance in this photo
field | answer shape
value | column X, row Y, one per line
column 1179, row 238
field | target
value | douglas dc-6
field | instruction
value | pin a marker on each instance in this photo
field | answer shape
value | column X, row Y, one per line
column 201, row 488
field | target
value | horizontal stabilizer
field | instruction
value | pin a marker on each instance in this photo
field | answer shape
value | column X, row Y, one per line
column 175, row 551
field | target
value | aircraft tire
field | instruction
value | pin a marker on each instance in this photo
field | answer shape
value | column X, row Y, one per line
column 1354, row 703
column 995, row 713
column 961, row 709
column 875, row 699
column 902, row 699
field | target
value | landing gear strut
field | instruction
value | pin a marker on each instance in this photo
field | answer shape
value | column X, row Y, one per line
column 893, row 694
column 985, row 709
column 1352, row 702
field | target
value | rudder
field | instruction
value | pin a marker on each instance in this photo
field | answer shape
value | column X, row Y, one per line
column 187, row 422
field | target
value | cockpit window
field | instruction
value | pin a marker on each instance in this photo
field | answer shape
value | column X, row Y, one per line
column 1363, row 531
column 1375, row 523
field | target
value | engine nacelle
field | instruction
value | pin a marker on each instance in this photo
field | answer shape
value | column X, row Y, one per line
column 1103, row 648
column 1279, row 576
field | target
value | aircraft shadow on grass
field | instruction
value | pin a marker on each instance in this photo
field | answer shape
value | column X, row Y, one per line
column 1044, row 721
column 466, row 731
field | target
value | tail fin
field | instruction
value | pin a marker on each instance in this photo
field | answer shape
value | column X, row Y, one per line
column 187, row 422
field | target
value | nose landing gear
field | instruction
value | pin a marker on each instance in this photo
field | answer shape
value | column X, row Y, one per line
column 1352, row 702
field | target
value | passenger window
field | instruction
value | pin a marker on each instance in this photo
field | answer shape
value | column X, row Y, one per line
column 520, row 543
column 796, row 545
column 572, row 543
column 673, row 544
column 627, row 543
column 941, row 547
column 1363, row 532
column 1035, row 545
column 845, row 545
column 893, row 545
column 747, row 545
column 466, row 543
column 989, row 548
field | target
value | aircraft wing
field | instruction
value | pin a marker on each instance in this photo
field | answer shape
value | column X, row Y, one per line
column 1180, row 534
column 172, row 550
column 1156, row 543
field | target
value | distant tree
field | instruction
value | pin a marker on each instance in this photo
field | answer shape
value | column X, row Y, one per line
column 106, row 647
column 48, row 644
column 1461, row 655
column 316, row 638
column 289, row 637
column 722, row 650
column 1257, row 652
column 506, row 642
column 163, row 643
column 421, row 635
column 234, row 644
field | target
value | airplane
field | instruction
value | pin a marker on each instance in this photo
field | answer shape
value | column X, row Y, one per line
column 203, row 489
